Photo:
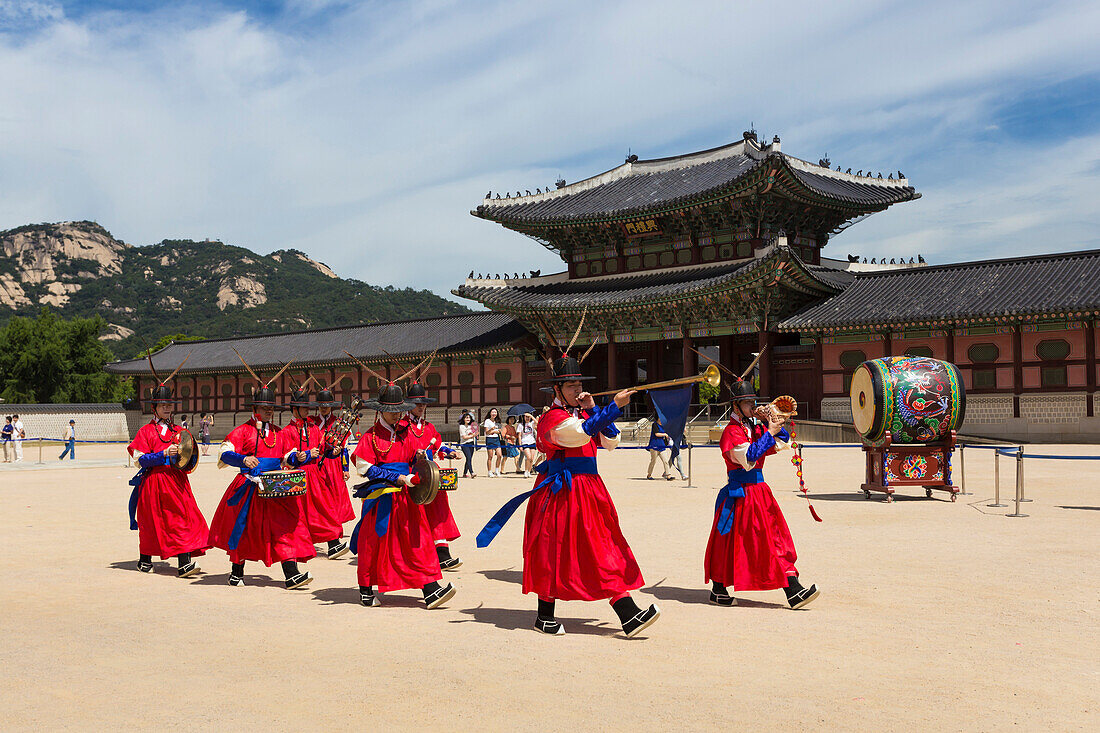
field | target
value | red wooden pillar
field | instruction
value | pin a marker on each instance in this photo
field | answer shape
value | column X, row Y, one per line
column 1017, row 369
column 888, row 343
column 688, row 359
column 236, row 393
column 951, row 345
column 1090, row 365
column 819, row 382
column 481, row 380
column 765, row 344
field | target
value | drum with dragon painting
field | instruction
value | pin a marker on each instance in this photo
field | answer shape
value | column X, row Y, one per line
column 915, row 398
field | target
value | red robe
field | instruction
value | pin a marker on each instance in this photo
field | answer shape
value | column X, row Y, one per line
column 168, row 518
column 444, row 528
column 573, row 548
column 404, row 555
column 276, row 530
column 337, row 497
column 758, row 553
column 323, row 508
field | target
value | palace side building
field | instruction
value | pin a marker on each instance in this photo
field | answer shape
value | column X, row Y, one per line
column 721, row 252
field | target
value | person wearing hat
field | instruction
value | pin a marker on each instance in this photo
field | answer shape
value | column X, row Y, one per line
column 335, row 499
column 426, row 438
column 264, row 529
column 750, row 546
column 162, row 506
column 302, row 446
column 70, row 442
column 573, row 548
column 393, row 538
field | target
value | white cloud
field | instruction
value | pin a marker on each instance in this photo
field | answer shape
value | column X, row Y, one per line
column 364, row 135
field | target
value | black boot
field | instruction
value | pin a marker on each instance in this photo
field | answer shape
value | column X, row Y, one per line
column 145, row 563
column 545, row 622
column 187, row 566
column 446, row 562
column 295, row 579
column 720, row 597
column 236, row 574
column 368, row 597
column 336, row 548
column 797, row 596
column 436, row 595
column 634, row 619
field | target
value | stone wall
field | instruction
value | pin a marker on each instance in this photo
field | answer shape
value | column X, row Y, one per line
column 836, row 409
column 97, row 421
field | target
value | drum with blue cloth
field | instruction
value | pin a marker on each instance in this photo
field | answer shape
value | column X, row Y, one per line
column 281, row 484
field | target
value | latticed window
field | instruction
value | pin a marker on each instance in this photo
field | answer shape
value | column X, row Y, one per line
column 919, row 351
column 465, row 377
column 1052, row 349
column 984, row 378
column 432, row 382
column 850, row 360
column 503, row 377
column 227, row 397
column 983, row 353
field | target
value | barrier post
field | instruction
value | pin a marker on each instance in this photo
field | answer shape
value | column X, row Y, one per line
column 1019, row 482
column 962, row 469
column 689, row 485
column 39, row 449
column 996, row 479
column 1022, row 497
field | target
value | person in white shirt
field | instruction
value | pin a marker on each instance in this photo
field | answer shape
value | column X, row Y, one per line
column 70, row 442
column 493, row 442
column 19, row 435
column 467, row 442
column 527, row 443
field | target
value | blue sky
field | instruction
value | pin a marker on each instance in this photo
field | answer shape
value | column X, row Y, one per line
column 363, row 133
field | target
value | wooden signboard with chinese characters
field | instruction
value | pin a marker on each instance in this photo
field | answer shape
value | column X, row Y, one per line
column 644, row 228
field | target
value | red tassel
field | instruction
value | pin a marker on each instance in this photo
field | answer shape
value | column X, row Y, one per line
column 813, row 512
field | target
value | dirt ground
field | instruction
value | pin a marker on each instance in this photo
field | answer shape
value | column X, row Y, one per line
column 933, row 616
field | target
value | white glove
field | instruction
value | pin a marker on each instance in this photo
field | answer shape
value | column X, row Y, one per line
column 407, row 479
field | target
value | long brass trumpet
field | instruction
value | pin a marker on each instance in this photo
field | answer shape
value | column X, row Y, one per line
column 711, row 376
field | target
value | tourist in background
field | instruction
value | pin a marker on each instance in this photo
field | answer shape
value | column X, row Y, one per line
column 6, row 438
column 204, row 431
column 183, row 422
column 674, row 456
column 511, row 442
column 658, row 444
column 467, row 442
column 70, row 442
column 493, row 442
column 18, row 436
column 527, row 443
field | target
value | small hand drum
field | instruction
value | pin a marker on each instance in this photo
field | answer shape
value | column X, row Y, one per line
column 448, row 479
column 426, row 483
column 281, row 484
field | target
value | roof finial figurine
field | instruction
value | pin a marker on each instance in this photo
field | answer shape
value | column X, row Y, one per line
column 489, row 195
column 890, row 177
column 865, row 260
column 536, row 273
column 848, row 171
column 873, row 261
column 859, row 172
column 920, row 258
column 824, row 162
column 471, row 275
column 529, row 190
column 880, row 174
column 901, row 175
column 892, row 261
column 560, row 183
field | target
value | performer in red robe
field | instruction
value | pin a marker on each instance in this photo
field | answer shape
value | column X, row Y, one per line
column 247, row 526
column 392, row 539
column 337, row 502
column 425, row 437
column 750, row 546
column 573, row 548
column 162, row 507
column 302, row 445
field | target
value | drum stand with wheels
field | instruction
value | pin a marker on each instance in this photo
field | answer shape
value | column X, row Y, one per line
column 909, row 464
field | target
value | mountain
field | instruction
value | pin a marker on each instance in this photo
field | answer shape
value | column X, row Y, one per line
column 181, row 286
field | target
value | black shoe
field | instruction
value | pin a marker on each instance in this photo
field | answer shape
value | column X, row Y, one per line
column 186, row 571
column 439, row 596
column 145, row 566
column 236, row 580
column 552, row 627
column 641, row 621
column 799, row 597
column 368, row 597
column 337, row 550
column 722, row 599
column 299, row 580
column 450, row 564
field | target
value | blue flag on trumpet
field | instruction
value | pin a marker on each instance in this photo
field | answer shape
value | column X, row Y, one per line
column 672, row 412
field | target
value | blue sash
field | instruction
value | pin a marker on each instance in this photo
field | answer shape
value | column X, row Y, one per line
column 731, row 492
column 384, row 502
column 244, row 493
column 136, row 481
column 558, row 475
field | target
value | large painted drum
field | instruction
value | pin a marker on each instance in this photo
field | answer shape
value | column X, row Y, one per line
column 915, row 398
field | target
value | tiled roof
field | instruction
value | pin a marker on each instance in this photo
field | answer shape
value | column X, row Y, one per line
column 646, row 185
column 623, row 290
column 1008, row 289
column 450, row 335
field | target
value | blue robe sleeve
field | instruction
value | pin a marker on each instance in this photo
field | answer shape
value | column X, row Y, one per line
column 760, row 446
column 292, row 459
column 230, row 458
column 377, row 473
column 601, row 418
column 149, row 460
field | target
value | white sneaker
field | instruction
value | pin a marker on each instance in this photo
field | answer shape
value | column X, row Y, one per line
column 527, row 474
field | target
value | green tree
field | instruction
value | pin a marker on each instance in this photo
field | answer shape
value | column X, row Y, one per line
column 49, row 359
column 164, row 341
column 707, row 393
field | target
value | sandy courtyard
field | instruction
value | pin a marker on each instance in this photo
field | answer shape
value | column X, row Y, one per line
column 933, row 616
